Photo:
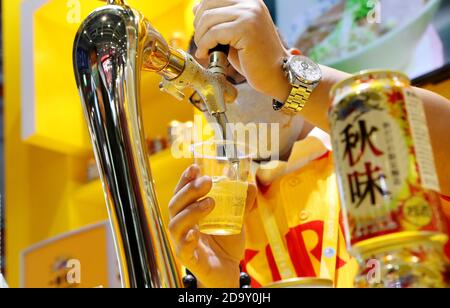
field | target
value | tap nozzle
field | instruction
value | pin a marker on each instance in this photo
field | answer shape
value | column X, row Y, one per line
column 218, row 59
column 211, row 84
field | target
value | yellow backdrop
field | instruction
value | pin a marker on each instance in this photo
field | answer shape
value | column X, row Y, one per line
column 47, row 193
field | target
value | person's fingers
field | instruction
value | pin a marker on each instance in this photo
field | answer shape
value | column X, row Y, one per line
column 186, row 248
column 213, row 17
column 195, row 7
column 189, row 194
column 233, row 57
column 223, row 34
column 189, row 175
column 208, row 5
column 189, row 218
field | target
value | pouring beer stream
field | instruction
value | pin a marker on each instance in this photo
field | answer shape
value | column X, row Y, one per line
column 112, row 47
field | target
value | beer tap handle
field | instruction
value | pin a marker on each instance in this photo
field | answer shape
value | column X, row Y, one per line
column 221, row 48
column 218, row 59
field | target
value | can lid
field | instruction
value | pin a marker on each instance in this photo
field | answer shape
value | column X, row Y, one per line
column 391, row 241
column 367, row 73
column 302, row 283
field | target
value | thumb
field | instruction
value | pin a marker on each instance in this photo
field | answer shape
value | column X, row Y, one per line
column 186, row 251
column 233, row 57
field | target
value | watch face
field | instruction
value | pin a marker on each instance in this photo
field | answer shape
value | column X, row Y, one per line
column 306, row 70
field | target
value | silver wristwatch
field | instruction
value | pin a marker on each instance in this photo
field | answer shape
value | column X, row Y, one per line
column 304, row 75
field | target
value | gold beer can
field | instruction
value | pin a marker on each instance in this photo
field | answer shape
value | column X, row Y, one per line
column 383, row 156
column 302, row 283
column 403, row 260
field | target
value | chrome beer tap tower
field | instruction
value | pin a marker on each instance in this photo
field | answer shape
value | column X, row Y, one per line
column 112, row 47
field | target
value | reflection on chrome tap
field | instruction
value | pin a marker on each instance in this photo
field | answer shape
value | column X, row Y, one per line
column 108, row 55
column 114, row 44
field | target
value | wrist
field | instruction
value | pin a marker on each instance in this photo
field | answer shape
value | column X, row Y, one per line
column 229, row 281
column 281, row 87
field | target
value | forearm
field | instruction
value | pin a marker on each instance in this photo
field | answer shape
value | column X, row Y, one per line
column 316, row 110
column 437, row 109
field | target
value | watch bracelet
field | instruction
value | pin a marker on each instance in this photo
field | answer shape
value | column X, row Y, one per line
column 296, row 101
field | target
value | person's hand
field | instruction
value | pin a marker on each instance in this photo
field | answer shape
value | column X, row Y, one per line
column 256, row 47
column 214, row 260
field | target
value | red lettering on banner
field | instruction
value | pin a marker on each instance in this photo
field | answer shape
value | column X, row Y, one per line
column 272, row 264
column 248, row 257
column 298, row 251
column 340, row 263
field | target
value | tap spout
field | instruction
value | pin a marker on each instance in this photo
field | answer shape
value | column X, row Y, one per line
column 180, row 71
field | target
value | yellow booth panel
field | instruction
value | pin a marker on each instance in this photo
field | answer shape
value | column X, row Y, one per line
column 51, row 108
column 80, row 259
